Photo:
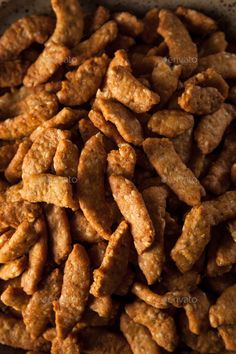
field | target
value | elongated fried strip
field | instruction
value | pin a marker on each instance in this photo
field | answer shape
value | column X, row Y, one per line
column 91, row 192
column 39, row 309
column 22, row 33
column 128, row 23
column 181, row 45
column 15, row 298
column 13, row 72
column 159, row 323
column 169, row 166
column 53, row 56
column 150, row 21
column 196, row 21
column 114, row 264
column 138, row 336
column 7, row 152
column 100, row 16
column 69, row 345
column 122, row 162
column 81, row 229
column 59, row 227
column 224, row 310
column 66, row 159
column 183, row 145
column 228, row 334
column 215, row 43
column 13, row 269
column 170, row 123
column 226, row 251
column 223, row 63
column 75, row 290
column 132, row 207
column 94, row 44
column 125, row 88
column 102, row 305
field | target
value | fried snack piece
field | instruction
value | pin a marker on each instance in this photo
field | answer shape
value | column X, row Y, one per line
column 53, row 56
column 125, row 121
column 174, row 280
column 14, row 334
column 69, row 345
column 114, row 264
column 49, row 189
column 180, row 179
column 196, row 21
column 178, row 41
column 13, row 171
column 37, row 259
column 233, row 173
column 217, row 180
column 212, row 127
column 223, row 63
column 228, row 334
column 224, row 310
column 81, row 229
column 60, row 237
column 150, row 25
column 102, row 306
column 15, row 297
column 91, row 192
column 122, row 162
column 100, row 16
column 86, row 129
column 7, row 152
column 160, row 324
column 170, row 123
column 138, row 336
column 66, row 158
column 94, row 44
column 128, row 23
column 226, row 252
column 132, row 207
column 12, row 72
column 151, row 260
column 75, row 290
column 128, row 90
column 22, row 33
column 13, row 269
column 39, row 310
column 183, row 145
column 40, row 156
column 216, row 43
column 82, row 84
column 232, row 228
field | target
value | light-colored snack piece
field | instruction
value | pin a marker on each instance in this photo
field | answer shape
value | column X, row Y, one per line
column 53, row 56
column 75, row 290
column 69, row 345
column 69, row 24
column 66, row 158
column 94, row 44
column 223, row 312
column 49, row 189
column 211, row 128
column 170, row 123
column 82, row 84
column 13, row 269
column 7, row 152
column 160, row 324
column 14, row 297
column 228, row 334
column 81, row 230
column 215, row 43
column 12, row 72
column 128, row 23
column 233, row 173
column 178, row 41
column 223, row 63
column 151, row 260
column 22, row 33
column 150, row 25
column 5, row 236
column 122, row 162
column 232, row 228
column 196, row 21
column 91, row 190
column 114, row 264
column 132, row 207
column 226, row 251
column 39, row 310
column 59, row 236
column 180, row 179
column 125, row 121
column 87, row 129
column 183, row 145
column 100, row 16
column 138, row 336
column 128, row 90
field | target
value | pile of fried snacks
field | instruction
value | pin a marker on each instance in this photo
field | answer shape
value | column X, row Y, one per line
column 117, row 183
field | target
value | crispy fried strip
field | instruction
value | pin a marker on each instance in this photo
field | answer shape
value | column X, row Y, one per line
column 224, row 310
column 69, row 345
column 81, row 229
column 13, row 269
column 15, row 298
column 87, row 129
column 128, row 23
column 13, row 72
column 150, row 22
column 122, row 162
column 100, row 16
column 215, row 43
column 223, row 63
column 7, row 152
column 226, row 252
column 228, row 334
column 66, row 159
column 196, row 21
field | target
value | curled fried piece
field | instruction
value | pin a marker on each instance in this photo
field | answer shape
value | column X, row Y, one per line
column 114, row 264
column 224, row 310
column 228, row 334
column 66, row 158
column 75, row 290
column 128, row 23
column 196, row 21
column 122, row 162
column 223, row 63
column 132, row 207
column 13, row 269
column 169, row 166
column 12, row 72
column 182, row 50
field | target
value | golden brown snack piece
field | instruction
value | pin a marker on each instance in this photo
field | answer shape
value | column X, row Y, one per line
column 212, row 127
column 94, row 44
column 125, row 121
column 75, row 290
column 138, row 336
column 122, row 162
column 216, row 43
column 81, row 229
column 49, row 189
column 69, row 24
column 228, row 334
column 59, row 228
column 223, row 63
column 226, row 252
column 102, row 305
column 22, row 33
column 232, row 228
column 132, row 207
column 126, row 89
column 188, row 281
column 12, row 72
column 7, row 152
column 178, row 41
column 100, row 16
column 39, row 310
column 160, row 324
column 87, row 129
column 91, row 192
column 150, row 25
column 69, row 345
column 183, row 145
column 128, row 23
column 233, row 173
column 15, row 298
column 170, row 123
column 180, row 179
column 151, row 260
column 82, row 84
column 196, row 21
column 114, row 264
column 53, row 56
column 224, row 310
column 66, row 158
column 13, row 269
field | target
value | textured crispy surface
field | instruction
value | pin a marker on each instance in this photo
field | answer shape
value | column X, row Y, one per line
column 13, row 72
column 223, row 63
column 69, row 345
column 226, row 252
column 128, row 23
column 13, row 269
column 122, row 162
column 196, row 21
column 87, row 129
column 215, row 43
column 81, row 229
column 183, row 145
column 228, row 334
column 100, row 16
column 66, row 158
column 14, row 297
column 150, row 22
column 7, row 152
